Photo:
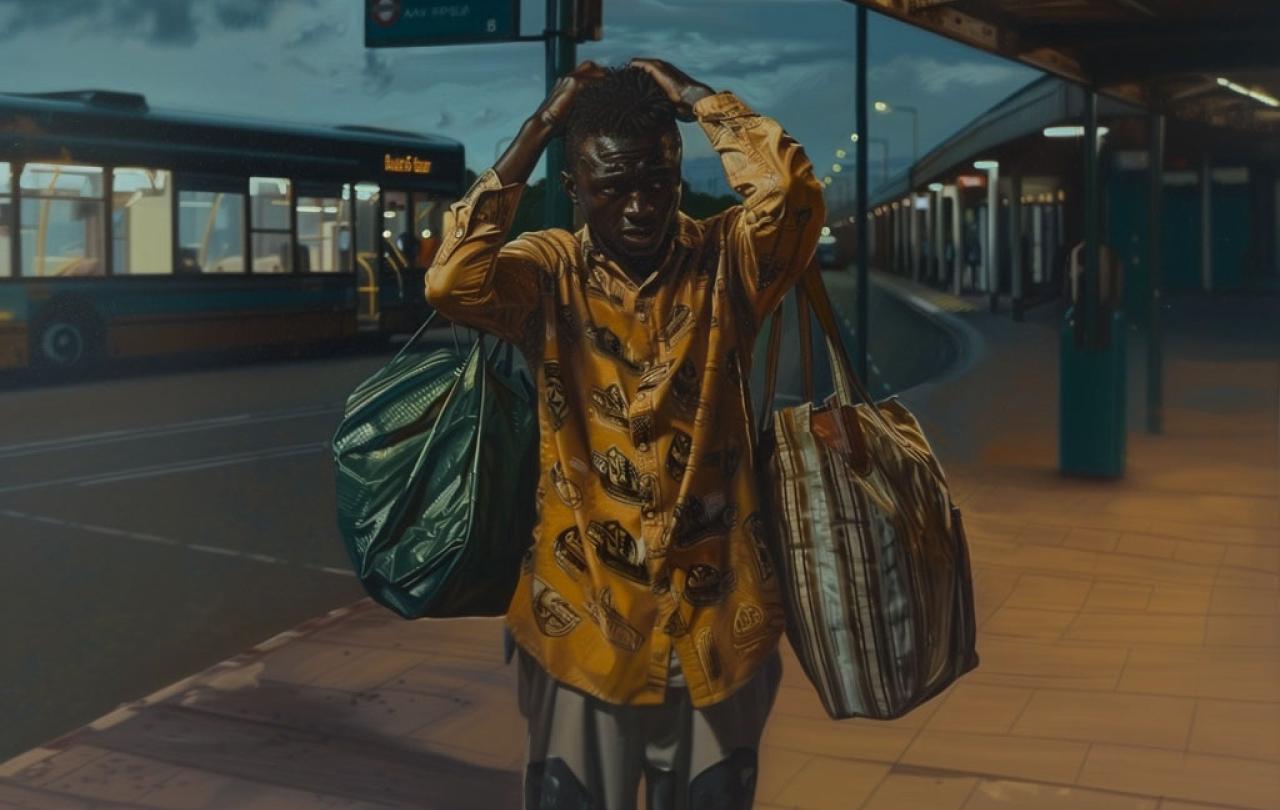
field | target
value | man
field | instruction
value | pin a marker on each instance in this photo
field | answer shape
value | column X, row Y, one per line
column 648, row 613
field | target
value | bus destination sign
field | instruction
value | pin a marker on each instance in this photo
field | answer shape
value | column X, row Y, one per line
column 406, row 23
column 407, row 164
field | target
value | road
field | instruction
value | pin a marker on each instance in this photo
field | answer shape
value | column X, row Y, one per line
column 156, row 523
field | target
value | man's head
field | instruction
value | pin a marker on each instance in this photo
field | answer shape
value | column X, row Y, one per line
column 623, row 153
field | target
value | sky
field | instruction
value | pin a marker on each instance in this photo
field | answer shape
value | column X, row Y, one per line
column 305, row 61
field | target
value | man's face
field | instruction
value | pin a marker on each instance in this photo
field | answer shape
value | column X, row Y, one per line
column 629, row 191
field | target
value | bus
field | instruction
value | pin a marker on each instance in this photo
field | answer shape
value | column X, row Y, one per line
column 129, row 231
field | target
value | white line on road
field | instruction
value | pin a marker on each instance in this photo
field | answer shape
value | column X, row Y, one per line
column 151, row 538
column 154, row 470
column 154, row 431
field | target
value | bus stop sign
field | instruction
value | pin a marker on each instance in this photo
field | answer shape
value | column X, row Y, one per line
column 405, row 23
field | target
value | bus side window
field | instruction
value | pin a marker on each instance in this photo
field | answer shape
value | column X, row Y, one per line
column 6, row 212
column 272, row 243
column 323, row 219
column 62, row 220
column 210, row 232
column 141, row 221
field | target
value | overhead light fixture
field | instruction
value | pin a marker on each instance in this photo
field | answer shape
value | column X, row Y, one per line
column 935, row 187
column 826, row 230
column 840, row 153
column 854, row 137
column 882, row 106
column 988, row 165
column 1071, row 132
column 1263, row 98
column 837, row 168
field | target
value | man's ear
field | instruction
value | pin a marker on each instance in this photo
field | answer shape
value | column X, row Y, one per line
column 570, row 186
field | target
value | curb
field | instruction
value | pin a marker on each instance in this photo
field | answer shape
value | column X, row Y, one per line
column 132, row 708
column 970, row 345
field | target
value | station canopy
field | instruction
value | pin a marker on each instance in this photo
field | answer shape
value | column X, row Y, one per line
column 1211, row 61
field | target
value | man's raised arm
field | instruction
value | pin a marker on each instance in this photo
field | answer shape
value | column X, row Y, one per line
column 477, row 277
column 773, row 235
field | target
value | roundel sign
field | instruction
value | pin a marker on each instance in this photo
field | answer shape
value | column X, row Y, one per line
column 385, row 12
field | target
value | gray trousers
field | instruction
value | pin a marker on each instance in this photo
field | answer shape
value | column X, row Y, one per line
column 586, row 754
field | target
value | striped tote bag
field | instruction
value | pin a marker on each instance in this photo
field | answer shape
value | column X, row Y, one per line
column 870, row 549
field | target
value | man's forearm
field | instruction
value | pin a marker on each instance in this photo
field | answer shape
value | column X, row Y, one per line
column 516, row 164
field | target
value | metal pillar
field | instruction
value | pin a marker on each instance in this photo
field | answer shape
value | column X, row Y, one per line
column 860, row 93
column 913, row 237
column 1206, row 222
column 957, row 237
column 1087, row 307
column 562, row 53
column 991, row 253
column 1015, row 245
column 1155, row 273
column 939, row 238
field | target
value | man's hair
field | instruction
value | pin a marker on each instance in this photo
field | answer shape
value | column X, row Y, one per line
column 624, row 102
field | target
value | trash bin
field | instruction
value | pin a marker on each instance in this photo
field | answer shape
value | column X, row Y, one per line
column 1091, row 390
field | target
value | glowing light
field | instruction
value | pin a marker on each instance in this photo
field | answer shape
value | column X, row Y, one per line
column 854, row 137
column 882, row 106
column 386, row 234
column 841, row 153
column 837, row 168
column 426, row 233
column 388, row 214
column 935, row 187
column 988, row 165
column 1071, row 132
column 826, row 230
column 1256, row 95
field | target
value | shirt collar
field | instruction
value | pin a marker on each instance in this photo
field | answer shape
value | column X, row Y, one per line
column 687, row 237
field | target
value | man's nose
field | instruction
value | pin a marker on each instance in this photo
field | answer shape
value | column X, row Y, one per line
column 638, row 205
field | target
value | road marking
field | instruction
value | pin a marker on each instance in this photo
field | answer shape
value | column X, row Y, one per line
column 155, row 431
column 151, row 538
column 155, row 470
column 226, row 552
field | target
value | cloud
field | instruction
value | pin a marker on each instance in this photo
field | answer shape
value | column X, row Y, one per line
column 376, row 73
column 156, row 22
column 936, row 77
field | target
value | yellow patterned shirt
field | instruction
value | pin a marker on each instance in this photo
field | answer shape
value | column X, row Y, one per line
column 649, row 537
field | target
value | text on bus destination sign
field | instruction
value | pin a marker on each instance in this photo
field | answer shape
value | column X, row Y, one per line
column 408, row 164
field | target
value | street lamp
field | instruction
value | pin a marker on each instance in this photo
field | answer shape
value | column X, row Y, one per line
column 886, row 108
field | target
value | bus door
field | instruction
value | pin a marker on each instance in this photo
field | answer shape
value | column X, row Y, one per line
column 369, row 229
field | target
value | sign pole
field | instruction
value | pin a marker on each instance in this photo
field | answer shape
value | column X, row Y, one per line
column 562, row 52
column 862, row 224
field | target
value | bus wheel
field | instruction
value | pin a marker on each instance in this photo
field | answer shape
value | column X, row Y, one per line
column 65, row 340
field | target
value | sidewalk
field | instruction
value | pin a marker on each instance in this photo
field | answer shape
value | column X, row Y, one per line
column 1129, row 636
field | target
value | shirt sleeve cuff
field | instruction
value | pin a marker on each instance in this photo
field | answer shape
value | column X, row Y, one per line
column 720, row 107
column 488, row 201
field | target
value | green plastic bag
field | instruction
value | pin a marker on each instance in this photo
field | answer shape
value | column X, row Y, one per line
column 436, row 470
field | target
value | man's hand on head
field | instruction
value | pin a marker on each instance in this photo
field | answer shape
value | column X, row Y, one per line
column 681, row 89
column 554, row 112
